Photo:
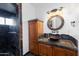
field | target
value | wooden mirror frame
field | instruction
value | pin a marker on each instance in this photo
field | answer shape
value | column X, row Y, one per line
column 62, row 19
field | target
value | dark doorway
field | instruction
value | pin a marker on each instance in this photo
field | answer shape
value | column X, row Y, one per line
column 9, row 29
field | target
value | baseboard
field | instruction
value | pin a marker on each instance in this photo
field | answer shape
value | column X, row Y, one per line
column 26, row 53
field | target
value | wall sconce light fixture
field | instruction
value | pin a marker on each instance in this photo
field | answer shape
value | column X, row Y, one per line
column 73, row 23
column 54, row 10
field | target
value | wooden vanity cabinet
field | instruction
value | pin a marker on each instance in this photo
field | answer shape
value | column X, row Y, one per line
column 35, row 30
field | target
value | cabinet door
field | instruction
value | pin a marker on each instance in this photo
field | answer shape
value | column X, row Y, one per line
column 45, row 50
column 49, row 50
column 32, row 36
column 70, row 52
column 57, row 51
column 31, row 32
column 40, row 28
column 41, row 49
column 34, row 49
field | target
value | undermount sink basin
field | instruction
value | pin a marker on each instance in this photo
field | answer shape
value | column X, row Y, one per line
column 53, row 39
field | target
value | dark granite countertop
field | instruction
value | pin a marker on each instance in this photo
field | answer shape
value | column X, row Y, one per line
column 67, row 44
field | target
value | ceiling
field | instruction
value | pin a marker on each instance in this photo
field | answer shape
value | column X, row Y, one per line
column 44, row 4
column 40, row 5
column 8, row 9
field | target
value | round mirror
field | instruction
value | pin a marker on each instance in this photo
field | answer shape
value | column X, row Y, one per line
column 55, row 22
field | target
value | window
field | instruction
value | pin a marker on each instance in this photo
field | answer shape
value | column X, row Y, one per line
column 10, row 21
column 2, row 21
column 7, row 21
